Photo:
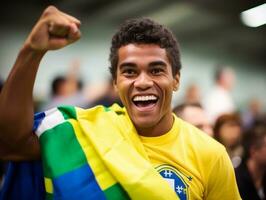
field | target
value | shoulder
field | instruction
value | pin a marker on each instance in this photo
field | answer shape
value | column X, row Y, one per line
column 58, row 115
column 100, row 112
column 72, row 112
column 53, row 117
column 201, row 145
column 196, row 137
column 208, row 158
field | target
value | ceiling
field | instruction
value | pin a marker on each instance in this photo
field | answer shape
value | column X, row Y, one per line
column 199, row 24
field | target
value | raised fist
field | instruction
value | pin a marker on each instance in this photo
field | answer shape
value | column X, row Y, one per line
column 54, row 30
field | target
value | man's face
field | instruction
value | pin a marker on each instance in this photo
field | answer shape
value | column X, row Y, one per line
column 145, row 84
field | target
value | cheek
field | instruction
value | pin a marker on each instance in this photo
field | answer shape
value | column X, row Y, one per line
column 166, row 84
column 166, row 88
column 123, row 89
column 121, row 94
column 169, row 89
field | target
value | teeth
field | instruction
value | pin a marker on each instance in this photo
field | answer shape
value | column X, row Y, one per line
column 145, row 98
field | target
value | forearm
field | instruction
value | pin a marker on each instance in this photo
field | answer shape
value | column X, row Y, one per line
column 54, row 30
column 16, row 99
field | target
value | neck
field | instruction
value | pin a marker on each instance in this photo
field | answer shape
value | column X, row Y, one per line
column 161, row 128
column 257, row 171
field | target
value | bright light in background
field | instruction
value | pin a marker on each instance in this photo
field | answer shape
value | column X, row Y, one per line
column 254, row 17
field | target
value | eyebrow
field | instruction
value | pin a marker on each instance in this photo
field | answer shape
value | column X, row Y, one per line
column 156, row 63
column 127, row 64
column 152, row 64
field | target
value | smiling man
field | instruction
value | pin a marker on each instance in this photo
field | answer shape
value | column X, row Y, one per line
column 142, row 151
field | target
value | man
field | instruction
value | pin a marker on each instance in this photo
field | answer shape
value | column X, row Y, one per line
column 219, row 100
column 251, row 174
column 192, row 94
column 195, row 115
column 253, row 114
column 114, row 152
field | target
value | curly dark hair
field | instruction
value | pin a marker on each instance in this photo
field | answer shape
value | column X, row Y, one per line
column 145, row 31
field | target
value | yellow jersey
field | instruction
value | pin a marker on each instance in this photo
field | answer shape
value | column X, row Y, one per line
column 195, row 165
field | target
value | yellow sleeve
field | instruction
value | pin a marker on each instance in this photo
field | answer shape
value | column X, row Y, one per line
column 221, row 180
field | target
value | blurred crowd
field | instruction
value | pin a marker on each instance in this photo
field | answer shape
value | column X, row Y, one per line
column 242, row 132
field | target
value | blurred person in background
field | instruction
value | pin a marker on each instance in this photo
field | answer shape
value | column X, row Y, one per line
column 108, row 98
column 219, row 101
column 194, row 114
column 67, row 89
column 192, row 94
column 251, row 174
column 253, row 114
column 228, row 131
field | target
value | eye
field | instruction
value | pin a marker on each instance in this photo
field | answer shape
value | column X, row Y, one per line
column 156, row 71
column 129, row 72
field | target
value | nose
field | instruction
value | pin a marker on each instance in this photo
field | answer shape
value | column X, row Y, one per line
column 143, row 81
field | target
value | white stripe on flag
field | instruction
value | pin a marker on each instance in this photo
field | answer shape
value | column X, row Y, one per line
column 53, row 117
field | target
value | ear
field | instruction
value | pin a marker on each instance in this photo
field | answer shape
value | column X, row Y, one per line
column 176, row 81
column 115, row 85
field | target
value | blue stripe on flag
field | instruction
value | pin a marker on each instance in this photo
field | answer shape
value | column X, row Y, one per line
column 78, row 184
column 38, row 117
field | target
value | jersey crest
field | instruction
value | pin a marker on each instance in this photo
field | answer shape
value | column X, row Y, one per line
column 175, row 180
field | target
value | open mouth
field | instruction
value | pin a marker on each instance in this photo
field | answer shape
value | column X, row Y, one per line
column 145, row 100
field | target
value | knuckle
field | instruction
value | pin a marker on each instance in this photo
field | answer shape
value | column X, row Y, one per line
column 49, row 10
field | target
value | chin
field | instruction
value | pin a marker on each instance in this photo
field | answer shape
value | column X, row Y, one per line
column 144, row 123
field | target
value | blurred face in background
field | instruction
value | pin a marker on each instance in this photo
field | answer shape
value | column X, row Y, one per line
column 255, row 106
column 230, row 134
column 259, row 153
column 193, row 94
column 197, row 117
column 227, row 79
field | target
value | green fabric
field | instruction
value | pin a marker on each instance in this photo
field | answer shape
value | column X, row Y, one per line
column 62, row 151
column 116, row 192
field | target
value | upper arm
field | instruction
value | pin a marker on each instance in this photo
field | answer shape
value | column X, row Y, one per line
column 25, row 148
column 221, row 180
column 28, row 150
